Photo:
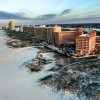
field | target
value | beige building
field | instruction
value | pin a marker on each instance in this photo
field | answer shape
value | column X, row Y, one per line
column 51, row 33
column 28, row 29
column 12, row 25
column 40, row 33
column 46, row 33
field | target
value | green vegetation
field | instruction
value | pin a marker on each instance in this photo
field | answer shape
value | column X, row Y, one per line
column 34, row 68
column 19, row 39
column 97, row 33
column 80, row 79
column 20, row 35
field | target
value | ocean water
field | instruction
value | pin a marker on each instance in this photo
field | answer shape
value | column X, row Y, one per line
column 16, row 83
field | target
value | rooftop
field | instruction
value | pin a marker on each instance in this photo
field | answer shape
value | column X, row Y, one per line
column 68, row 31
column 86, row 35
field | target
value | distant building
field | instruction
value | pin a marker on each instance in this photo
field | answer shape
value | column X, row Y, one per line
column 28, row 29
column 16, row 29
column 19, row 28
column 85, row 44
column 12, row 25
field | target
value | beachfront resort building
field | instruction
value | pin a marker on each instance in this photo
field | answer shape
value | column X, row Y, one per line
column 67, row 37
column 85, row 43
column 46, row 33
column 28, row 29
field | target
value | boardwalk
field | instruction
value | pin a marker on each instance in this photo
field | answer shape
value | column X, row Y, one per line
column 53, row 48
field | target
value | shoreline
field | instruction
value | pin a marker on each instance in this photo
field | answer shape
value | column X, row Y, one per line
column 76, row 79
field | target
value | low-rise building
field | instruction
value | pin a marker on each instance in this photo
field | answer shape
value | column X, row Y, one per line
column 19, row 28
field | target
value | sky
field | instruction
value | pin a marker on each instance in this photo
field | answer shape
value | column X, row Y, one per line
column 33, row 12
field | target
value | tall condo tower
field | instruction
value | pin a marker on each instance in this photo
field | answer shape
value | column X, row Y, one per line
column 12, row 25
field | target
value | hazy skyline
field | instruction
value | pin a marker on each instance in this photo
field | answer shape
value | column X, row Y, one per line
column 49, row 11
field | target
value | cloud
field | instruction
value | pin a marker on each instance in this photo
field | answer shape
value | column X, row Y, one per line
column 46, row 16
column 79, row 20
column 22, row 15
column 50, row 16
column 67, row 11
column 8, row 15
